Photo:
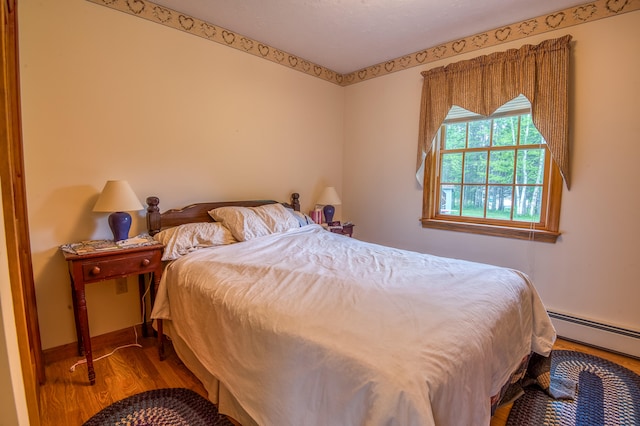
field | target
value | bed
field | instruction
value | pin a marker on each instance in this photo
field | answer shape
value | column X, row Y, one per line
column 286, row 323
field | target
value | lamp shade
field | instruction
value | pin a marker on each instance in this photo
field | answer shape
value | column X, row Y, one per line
column 329, row 197
column 118, row 197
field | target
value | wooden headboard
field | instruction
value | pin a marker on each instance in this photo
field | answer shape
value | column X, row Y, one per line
column 198, row 212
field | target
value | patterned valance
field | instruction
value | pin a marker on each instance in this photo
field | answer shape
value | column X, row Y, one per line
column 483, row 84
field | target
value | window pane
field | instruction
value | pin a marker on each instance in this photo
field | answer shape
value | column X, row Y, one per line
column 505, row 131
column 455, row 136
column 473, row 201
column 530, row 169
column 499, row 202
column 528, row 202
column 501, row 167
column 450, row 199
column 475, row 167
column 451, row 168
column 479, row 133
column 529, row 135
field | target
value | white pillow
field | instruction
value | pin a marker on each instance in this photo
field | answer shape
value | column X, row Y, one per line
column 247, row 223
column 189, row 237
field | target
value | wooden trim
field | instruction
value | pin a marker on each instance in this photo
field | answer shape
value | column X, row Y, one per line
column 15, row 215
column 492, row 230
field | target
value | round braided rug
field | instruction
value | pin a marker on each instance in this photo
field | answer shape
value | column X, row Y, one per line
column 161, row 407
column 608, row 394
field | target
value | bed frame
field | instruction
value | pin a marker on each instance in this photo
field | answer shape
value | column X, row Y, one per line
column 199, row 212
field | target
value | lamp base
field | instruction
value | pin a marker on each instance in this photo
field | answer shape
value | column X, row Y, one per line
column 328, row 211
column 120, row 223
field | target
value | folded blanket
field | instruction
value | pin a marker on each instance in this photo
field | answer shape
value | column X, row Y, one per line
column 539, row 373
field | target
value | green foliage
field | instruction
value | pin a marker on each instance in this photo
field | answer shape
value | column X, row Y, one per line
column 456, row 136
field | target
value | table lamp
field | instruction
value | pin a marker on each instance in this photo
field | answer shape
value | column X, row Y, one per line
column 329, row 198
column 117, row 197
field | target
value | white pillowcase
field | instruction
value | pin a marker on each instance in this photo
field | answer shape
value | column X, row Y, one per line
column 189, row 237
column 247, row 223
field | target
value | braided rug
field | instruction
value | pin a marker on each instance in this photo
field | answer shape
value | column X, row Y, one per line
column 161, row 407
column 608, row 394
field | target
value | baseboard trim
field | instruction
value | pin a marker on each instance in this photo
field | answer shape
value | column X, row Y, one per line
column 608, row 337
column 111, row 339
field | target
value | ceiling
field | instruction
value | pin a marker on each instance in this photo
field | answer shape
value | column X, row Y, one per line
column 348, row 35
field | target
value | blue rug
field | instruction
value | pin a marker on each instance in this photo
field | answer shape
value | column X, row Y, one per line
column 607, row 394
column 161, row 407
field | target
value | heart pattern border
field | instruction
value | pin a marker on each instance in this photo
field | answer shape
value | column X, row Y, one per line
column 576, row 15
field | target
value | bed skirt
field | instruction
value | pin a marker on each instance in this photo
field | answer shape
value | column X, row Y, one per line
column 218, row 393
column 228, row 405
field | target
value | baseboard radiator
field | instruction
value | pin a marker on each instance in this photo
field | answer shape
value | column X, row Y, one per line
column 605, row 336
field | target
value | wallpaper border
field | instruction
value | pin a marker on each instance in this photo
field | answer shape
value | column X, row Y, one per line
column 569, row 17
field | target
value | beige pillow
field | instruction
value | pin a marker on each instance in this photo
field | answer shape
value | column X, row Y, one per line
column 247, row 223
column 189, row 237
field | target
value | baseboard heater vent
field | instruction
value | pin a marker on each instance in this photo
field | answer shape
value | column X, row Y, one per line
column 605, row 336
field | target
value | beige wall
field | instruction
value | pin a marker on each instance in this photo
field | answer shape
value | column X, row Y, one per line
column 106, row 96
column 590, row 271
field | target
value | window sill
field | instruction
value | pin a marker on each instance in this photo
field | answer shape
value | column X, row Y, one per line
column 493, row 230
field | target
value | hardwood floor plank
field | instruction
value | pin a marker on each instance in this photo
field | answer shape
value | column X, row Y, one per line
column 67, row 398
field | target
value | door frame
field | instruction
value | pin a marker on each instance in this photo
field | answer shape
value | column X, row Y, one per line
column 14, row 204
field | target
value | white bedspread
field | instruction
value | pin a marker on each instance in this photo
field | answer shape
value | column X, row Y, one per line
column 309, row 327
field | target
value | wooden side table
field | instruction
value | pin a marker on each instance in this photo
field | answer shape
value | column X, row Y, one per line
column 106, row 265
column 346, row 229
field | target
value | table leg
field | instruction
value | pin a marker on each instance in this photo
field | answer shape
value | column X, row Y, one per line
column 84, row 329
column 74, row 301
column 156, row 284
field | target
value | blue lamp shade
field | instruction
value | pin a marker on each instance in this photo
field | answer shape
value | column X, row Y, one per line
column 329, row 198
column 118, row 198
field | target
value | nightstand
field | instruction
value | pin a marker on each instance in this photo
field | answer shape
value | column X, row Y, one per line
column 106, row 265
column 346, row 229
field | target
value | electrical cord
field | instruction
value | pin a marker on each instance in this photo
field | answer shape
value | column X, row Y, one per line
column 84, row 361
column 136, row 344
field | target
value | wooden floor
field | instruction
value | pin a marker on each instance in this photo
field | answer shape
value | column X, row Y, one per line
column 68, row 399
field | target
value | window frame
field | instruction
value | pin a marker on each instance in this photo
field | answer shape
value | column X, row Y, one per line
column 547, row 230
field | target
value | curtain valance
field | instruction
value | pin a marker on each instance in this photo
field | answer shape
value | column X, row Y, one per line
column 483, row 84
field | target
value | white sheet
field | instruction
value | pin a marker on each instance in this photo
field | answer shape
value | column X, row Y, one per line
column 310, row 327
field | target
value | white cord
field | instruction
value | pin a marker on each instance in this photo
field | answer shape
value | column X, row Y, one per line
column 84, row 361
column 144, row 302
column 136, row 344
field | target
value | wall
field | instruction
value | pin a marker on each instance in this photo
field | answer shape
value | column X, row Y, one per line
column 109, row 96
column 589, row 272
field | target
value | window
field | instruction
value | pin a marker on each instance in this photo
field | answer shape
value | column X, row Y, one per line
column 494, row 171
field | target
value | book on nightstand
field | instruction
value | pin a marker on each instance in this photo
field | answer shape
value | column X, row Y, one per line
column 334, row 225
column 93, row 246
